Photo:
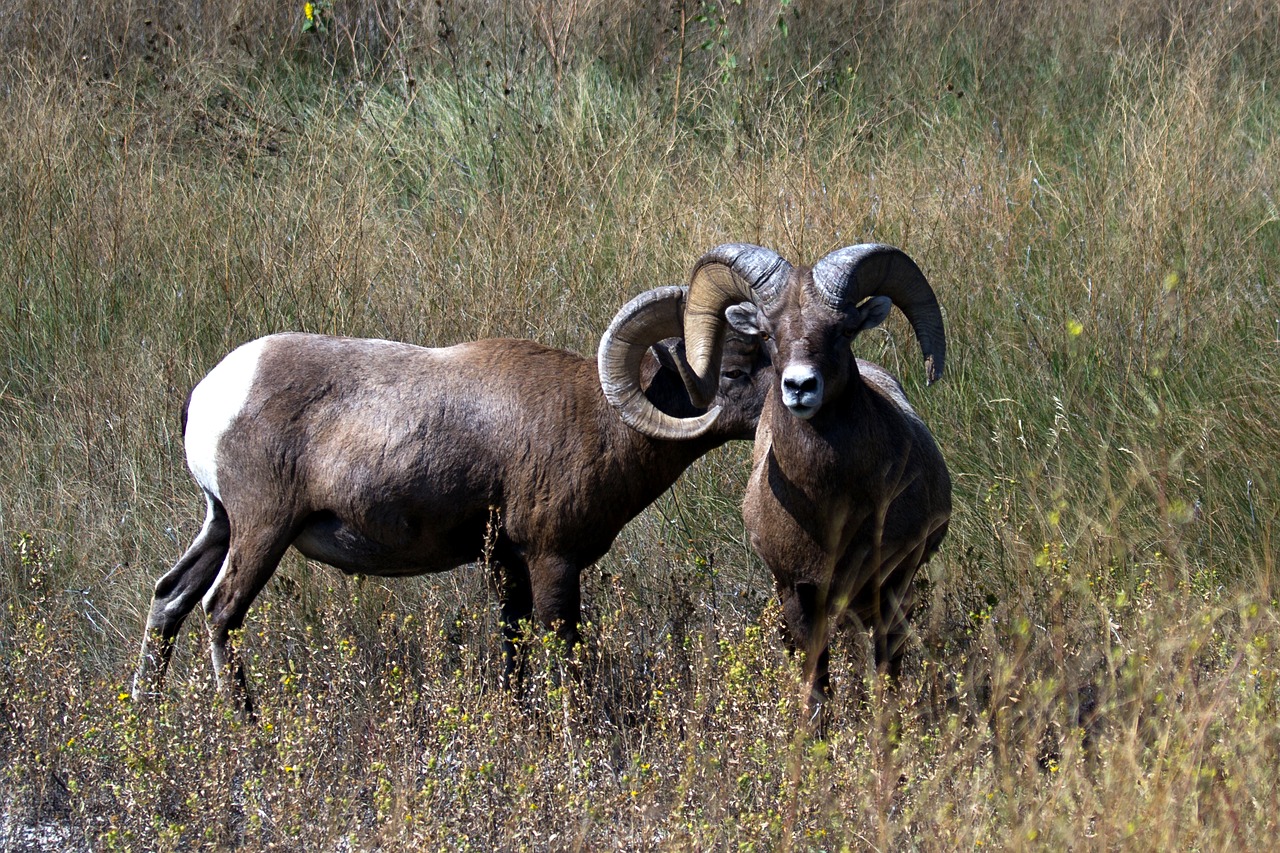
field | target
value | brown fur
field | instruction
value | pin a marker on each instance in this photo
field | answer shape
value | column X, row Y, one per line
column 843, row 507
column 391, row 459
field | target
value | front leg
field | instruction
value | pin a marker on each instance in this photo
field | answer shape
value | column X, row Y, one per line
column 885, row 606
column 515, row 595
column 805, row 630
column 557, row 596
column 891, row 628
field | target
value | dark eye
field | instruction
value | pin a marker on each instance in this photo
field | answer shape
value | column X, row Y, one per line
column 734, row 374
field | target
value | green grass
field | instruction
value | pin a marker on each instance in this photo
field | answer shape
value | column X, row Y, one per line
column 1092, row 195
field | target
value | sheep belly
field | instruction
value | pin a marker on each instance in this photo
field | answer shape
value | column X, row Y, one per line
column 327, row 538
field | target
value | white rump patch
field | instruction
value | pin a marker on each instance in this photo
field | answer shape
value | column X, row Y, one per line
column 215, row 403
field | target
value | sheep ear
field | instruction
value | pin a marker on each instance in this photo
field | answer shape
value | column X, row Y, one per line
column 873, row 312
column 744, row 318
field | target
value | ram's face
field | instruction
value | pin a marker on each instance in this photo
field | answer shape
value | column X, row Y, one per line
column 808, row 341
column 746, row 376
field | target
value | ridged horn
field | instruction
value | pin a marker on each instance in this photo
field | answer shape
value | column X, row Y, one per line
column 726, row 275
column 847, row 276
column 651, row 317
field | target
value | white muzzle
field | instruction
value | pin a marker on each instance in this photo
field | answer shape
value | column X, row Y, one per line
column 801, row 390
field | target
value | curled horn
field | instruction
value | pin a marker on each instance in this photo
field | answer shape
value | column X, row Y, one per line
column 726, row 275
column 651, row 317
column 847, row 276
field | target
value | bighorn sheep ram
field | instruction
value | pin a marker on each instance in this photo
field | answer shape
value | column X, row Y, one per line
column 849, row 494
column 384, row 458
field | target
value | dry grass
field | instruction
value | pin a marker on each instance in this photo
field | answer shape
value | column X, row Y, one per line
column 1092, row 195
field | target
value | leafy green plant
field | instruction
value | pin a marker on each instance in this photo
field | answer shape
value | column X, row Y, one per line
column 315, row 17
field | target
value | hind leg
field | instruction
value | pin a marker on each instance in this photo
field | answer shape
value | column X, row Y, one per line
column 176, row 594
column 251, row 560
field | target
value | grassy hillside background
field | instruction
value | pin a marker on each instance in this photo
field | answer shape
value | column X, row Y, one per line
column 1089, row 186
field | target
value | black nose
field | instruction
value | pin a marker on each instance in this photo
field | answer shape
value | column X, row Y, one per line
column 807, row 385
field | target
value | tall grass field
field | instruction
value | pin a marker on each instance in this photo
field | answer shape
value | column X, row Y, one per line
column 1091, row 189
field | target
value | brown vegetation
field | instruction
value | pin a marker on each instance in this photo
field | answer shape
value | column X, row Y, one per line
column 1091, row 192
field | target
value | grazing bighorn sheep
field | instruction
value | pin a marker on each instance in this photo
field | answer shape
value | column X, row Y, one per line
column 384, row 458
column 849, row 494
